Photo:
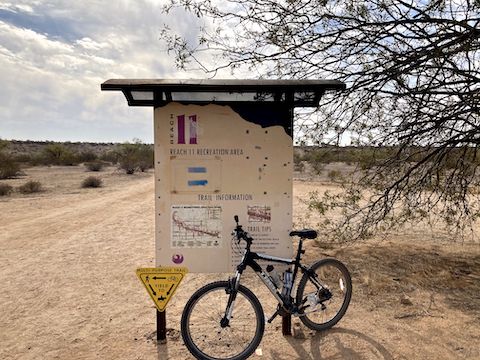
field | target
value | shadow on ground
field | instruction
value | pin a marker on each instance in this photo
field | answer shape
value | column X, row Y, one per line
column 338, row 343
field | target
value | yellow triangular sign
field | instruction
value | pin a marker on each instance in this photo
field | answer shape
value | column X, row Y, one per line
column 161, row 283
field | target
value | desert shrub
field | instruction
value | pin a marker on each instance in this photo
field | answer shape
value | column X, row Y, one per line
column 298, row 164
column 37, row 159
column 135, row 156
column 58, row 154
column 145, row 157
column 3, row 144
column 335, row 175
column 110, row 156
column 94, row 165
column 23, row 158
column 30, row 187
column 128, row 158
column 300, row 167
column 317, row 166
column 91, row 182
column 9, row 168
column 87, row 156
column 5, row 189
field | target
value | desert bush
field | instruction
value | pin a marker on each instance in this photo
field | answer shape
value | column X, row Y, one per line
column 128, row 158
column 23, row 158
column 94, row 165
column 58, row 154
column 91, row 182
column 145, row 157
column 87, row 156
column 5, row 189
column 135, row 156
column 317, row 167
column 335, row 175
column 37, row 159
column 30, row 187
column 4, row 144
column 8, row 167
column 300, row 167
column 298, row 164
column 110, row 156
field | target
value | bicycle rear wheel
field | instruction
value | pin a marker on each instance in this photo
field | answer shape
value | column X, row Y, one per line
column 324, row 306
column 202, row 332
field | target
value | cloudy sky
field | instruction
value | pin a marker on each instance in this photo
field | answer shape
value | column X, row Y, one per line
column 54, row 55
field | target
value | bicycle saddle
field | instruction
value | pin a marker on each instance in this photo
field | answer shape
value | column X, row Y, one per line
column 304, row 234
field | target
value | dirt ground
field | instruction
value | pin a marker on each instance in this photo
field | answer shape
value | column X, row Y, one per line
column 68, row 288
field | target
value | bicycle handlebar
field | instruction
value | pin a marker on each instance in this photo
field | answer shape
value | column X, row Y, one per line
column 242, row 234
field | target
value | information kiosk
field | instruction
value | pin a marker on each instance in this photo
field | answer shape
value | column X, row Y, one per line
column 222, row 148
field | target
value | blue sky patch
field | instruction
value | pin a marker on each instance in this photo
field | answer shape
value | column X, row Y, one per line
column 56, row 28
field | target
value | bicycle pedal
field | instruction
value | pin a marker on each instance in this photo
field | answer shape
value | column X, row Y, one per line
column 273, row 317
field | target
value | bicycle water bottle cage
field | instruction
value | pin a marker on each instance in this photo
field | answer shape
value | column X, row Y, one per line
column 304, row 234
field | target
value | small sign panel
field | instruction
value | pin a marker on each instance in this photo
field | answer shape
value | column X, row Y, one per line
column 161, row 283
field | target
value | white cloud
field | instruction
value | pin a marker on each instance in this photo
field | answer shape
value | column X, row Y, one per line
column 55, row 54
column 16, row 7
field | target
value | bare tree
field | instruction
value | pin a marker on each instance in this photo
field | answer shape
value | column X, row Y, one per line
column 412, row 70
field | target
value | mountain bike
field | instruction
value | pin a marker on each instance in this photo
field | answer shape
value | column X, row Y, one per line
column 225, row 320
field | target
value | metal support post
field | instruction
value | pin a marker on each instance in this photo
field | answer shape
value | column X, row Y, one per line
column 161, row 326
column 287, row 325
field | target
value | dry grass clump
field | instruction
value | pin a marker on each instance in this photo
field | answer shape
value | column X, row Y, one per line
column 386, row 273
column 30, row 187
column 91, row 182
column 5, row 189
column 94, row 166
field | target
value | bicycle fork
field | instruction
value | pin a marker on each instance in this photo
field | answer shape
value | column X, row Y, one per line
column 233, row 284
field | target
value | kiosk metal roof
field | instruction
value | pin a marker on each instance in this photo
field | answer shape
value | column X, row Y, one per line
column 158, row 92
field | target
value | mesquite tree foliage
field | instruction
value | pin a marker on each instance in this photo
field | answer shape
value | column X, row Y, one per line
column 412, row 70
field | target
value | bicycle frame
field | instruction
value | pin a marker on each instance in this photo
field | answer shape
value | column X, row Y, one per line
column 249, row 260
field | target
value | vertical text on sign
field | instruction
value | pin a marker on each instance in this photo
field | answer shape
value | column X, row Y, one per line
column 192, row 129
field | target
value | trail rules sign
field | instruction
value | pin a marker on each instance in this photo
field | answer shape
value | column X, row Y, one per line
column 161, row 283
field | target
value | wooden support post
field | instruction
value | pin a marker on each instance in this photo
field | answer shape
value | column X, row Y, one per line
column 161, row 326
column 287, row 325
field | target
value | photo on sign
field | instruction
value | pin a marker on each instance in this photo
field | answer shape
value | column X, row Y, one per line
column 261, row 214
column 196, row 226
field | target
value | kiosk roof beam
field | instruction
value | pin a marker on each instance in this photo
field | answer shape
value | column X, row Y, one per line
column 158, row 92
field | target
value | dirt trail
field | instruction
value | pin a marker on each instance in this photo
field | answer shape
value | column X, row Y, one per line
column 68, row 289
column 64, row 268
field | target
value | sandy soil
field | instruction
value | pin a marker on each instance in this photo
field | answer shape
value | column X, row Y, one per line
column 68, row 288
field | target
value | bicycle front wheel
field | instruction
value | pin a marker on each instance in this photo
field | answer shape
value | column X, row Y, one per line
column 202, row 332
column 324, row 293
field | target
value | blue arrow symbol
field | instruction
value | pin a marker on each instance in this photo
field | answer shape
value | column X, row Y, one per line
column 197, row 169
column 197, row 182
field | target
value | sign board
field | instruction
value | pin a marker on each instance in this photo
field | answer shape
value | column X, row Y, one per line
column 213, row 162
column 161, row 283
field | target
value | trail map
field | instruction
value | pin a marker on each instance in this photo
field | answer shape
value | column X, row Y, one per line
column 196, row 226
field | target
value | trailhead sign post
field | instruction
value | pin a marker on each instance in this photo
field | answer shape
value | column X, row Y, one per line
column 222, row 148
